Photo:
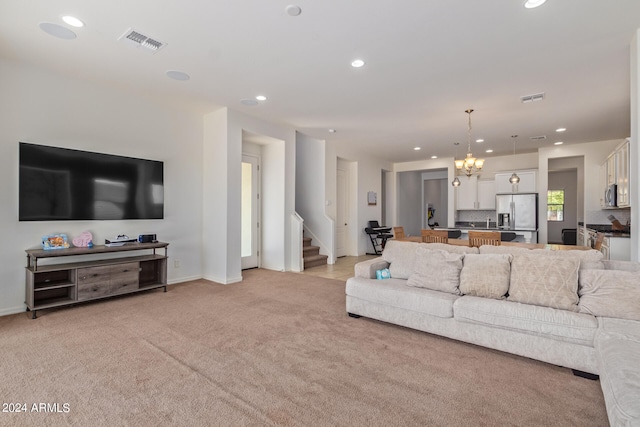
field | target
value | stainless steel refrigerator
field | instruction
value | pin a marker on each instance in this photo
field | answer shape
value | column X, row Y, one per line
column 518, row 211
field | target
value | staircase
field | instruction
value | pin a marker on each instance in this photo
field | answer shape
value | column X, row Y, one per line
column 311, row 254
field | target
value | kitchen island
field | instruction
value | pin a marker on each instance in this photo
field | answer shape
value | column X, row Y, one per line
column 526, row 236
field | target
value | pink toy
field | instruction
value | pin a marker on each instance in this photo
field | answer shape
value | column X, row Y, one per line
column 82, row 241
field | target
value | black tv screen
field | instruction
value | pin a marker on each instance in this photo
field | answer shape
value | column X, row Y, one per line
column 63, row 184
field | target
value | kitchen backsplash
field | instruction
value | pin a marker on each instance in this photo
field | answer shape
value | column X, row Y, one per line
column 475, row 216
column 600, row 216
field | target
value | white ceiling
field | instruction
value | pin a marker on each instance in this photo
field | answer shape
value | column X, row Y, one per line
column 426, row 62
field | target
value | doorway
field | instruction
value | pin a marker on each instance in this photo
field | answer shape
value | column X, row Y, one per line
column 344, row 191
column 250, row 212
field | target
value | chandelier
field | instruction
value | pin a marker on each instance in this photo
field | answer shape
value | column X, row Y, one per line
column 470, row 164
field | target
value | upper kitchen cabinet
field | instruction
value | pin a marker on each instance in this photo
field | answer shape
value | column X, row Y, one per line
column 475, row 194
column 528, row 182
column 622, row 174
column 615, row 178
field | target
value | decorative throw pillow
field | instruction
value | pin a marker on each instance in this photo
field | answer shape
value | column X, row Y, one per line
column 401, row 258
column 383, row 274
column 485, row 275
column 545, row 280
column 610, row 293
column 437, row 270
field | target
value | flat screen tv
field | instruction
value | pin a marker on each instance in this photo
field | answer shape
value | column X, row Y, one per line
column 62, row 184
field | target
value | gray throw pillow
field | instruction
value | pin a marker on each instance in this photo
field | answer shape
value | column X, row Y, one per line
column 485, row 275
column 437, row 270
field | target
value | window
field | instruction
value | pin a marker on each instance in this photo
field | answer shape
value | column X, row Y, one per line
column 555, row 205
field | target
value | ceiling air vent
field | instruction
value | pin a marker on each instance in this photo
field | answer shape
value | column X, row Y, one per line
column 137, row 39
column 538, row 138
column 532, row 98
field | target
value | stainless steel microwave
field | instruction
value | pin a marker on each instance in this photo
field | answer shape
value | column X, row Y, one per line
column 610, row 199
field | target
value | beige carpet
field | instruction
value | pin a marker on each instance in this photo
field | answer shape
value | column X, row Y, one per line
column 275, row 349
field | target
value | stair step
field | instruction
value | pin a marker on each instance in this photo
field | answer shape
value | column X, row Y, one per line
column 315, row 261
column 308, row 251
column 306, row 241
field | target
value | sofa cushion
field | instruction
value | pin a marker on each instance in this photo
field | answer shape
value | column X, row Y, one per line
column 610, row 264
column 589, row 259
column 401, row 257
column 437, row 270
column 560, row 325
column 610, row 293
column 545, row 280
column 512, row 250
column 396, row 293
column 619, row 358
column 456, row 249
column 485, row 275
column 630, row 328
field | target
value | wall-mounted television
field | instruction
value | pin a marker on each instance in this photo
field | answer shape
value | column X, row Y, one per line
column 57, row 184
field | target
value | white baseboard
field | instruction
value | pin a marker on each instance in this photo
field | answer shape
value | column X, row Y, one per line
column 13, row 310
column 183, row 279
column 224, row 281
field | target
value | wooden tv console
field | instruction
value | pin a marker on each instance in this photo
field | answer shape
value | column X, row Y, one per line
column 60, row 284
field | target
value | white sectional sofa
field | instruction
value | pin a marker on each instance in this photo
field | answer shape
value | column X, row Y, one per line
column 568, row 308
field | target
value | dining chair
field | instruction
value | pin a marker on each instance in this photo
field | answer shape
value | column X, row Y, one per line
column 398, row 232
column 598, row 243
column 435, row 236
column 479, row 238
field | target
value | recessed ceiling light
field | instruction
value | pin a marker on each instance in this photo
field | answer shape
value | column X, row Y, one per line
column 417, row 148
column 530, row 4
column 58, row 31
column 293, row 10
column 332, row 131
column 434, row 157
column 558, row 143
column 178, row 75
column 261, row 98
column 561, row 129
column 480, row 140
column 357, row 63
column 73, row 21
column 489, row 151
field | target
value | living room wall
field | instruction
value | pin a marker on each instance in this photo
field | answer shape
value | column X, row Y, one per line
column 42, row 107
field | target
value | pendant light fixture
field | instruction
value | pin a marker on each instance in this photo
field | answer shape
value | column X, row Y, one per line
column 470, row 164
column 456, row 181
column 514, row 176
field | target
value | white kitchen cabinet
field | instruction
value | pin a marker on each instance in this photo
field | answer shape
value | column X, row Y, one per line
column 528, row 182
column 486, row 195
column 615, row 170
column 619, row 248
column 582, row 237
column 622, row 174
column 467, row 193
column 474, row 194
column 611, row 169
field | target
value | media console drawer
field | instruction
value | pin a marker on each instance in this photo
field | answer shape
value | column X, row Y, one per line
column 96, row 282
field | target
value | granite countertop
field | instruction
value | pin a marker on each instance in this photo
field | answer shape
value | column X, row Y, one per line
column 608, row 231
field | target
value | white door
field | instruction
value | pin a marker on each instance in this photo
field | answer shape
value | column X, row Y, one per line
column 250, row 210
column 342, row 212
